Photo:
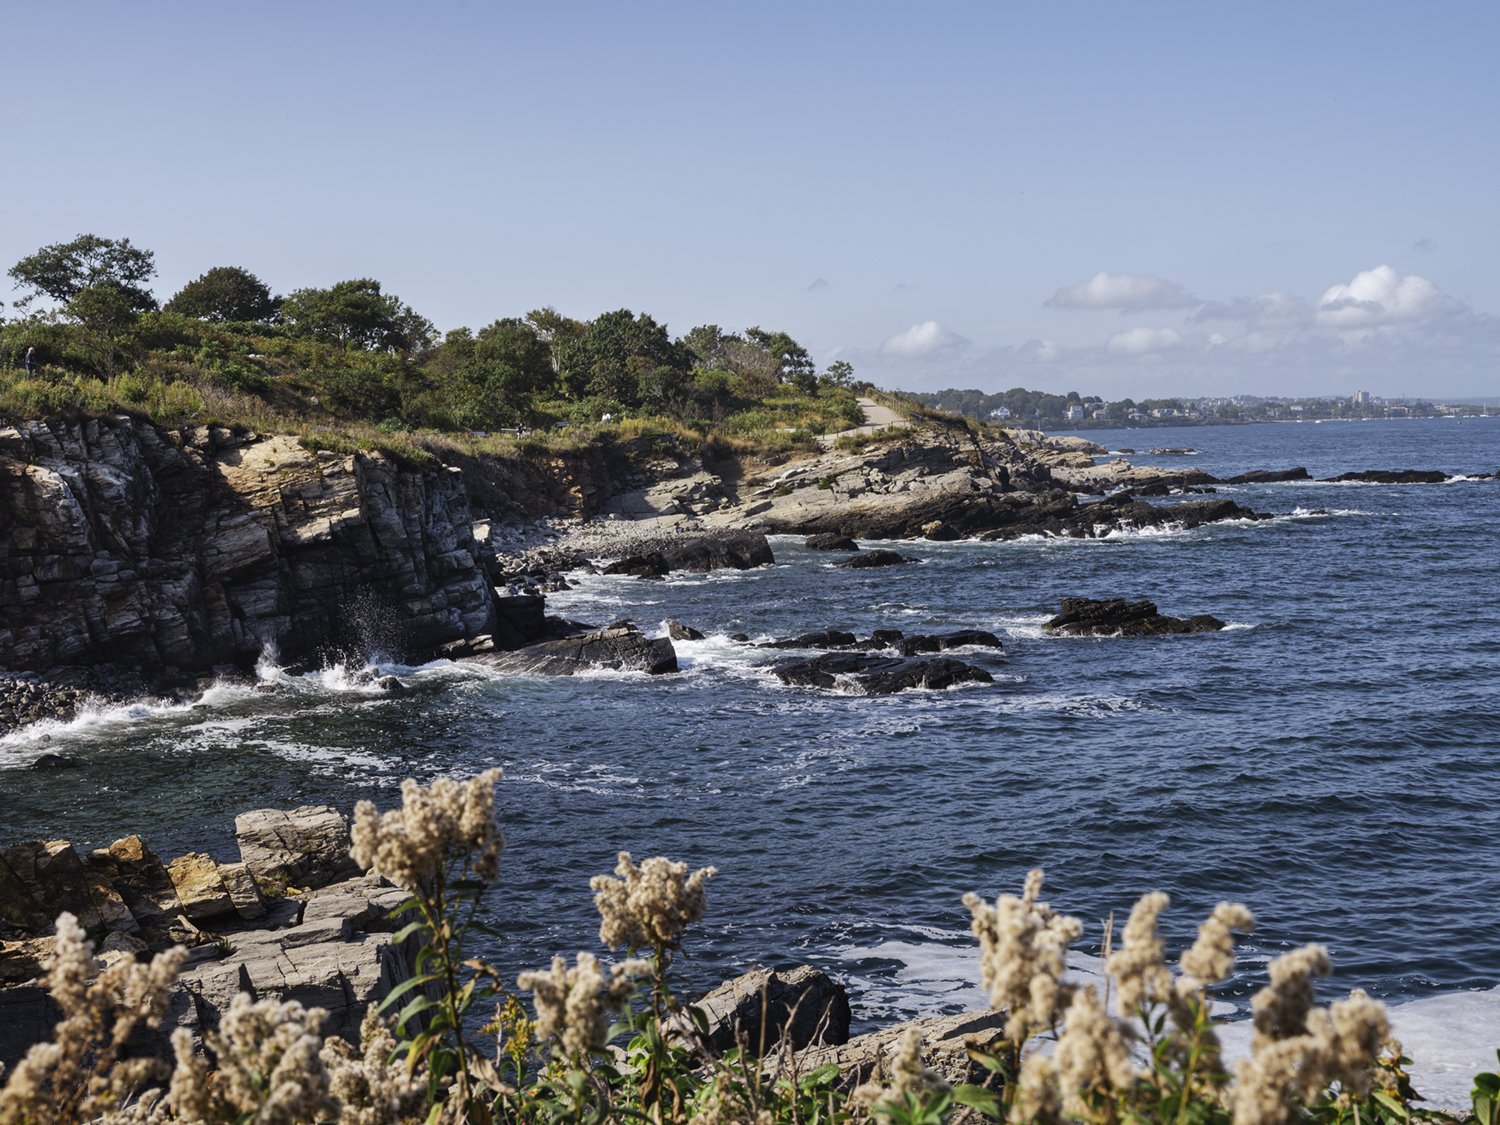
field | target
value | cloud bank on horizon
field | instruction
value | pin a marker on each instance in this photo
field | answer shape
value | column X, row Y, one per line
column 1381, row 328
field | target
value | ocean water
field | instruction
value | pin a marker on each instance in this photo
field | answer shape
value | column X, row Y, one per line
column 1332, row 759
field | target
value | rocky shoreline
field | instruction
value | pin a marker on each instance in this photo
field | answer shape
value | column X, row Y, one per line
column 140, row 563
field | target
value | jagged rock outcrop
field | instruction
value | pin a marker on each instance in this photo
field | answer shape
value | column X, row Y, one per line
column 833, row 639
column 1268, row 476
column 330, row 946
column 878, row 675
column 865, row 560
column 828, row 541
column 173, row 552
column 1085, row 617
column 621, row 647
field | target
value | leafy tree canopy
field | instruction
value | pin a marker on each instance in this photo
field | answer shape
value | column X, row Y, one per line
column 613, row 352
column 65, row 269
column 357, row 314
column 225, row 293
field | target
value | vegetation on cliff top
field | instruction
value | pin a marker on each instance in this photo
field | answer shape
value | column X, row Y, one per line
column 351, row 365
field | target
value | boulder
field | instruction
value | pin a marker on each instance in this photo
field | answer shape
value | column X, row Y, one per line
column 39, row 880
column 763, row 1006
column 302, row 847
column 1085, row 617
column 878, row 675
column 823, row 639
column 621, row 647
column 830, row 541
column 716, row 550
column 677, row 631
column 878, row 557
column 199, row 888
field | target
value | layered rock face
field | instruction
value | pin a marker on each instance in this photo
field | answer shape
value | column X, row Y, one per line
column 121, row 543
column 292, row 918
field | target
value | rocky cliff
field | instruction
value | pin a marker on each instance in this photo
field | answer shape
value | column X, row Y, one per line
column 178, row 552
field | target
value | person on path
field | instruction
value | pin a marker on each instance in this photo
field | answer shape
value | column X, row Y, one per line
column 30, row 360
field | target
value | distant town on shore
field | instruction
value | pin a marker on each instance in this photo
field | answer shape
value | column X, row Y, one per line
column 1040, row 409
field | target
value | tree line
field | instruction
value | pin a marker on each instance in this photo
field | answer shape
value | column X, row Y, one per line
column 85, row 308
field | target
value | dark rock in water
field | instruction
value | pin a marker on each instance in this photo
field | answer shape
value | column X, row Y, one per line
column 939, row 532
column 1391, row 476
column 739, row 638
column 886, row 636
column 803, row 1005
column 825, row 638
column 830, row 541
column 717, row 550
column 56, row 762
column 1085, row 617
column 964, row 638
column 391, row 685
column 1172, row 452
column 878, row 675
column 680, row 632
column 621, row 647
column 1268, row 476
column 880, row 557
column 519, row 620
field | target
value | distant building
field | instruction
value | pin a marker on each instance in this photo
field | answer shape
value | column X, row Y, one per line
column 1000, row 412
column 1100, row 413
column 1361, row 398
column 1074, row 414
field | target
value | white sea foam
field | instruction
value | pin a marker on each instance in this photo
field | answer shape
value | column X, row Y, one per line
column 1450, row 1037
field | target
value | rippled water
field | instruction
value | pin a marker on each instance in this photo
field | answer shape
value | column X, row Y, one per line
column 1330, row 759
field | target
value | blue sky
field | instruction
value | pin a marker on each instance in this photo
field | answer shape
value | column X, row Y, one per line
column 1114, row 198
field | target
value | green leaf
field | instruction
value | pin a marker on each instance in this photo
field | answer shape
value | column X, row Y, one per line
column 985, row 1101
column 416, row 1007
column 819, row 1076
column 1390, row 1103
column 403, row 988
column 405, row 932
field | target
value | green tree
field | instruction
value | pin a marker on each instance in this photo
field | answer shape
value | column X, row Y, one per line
column 612, row 354
column 793, row 364
column 65, row 269
column 492, row 378
column 225, row 293
column 709, row 344
column 840, row 373
column 357, row 314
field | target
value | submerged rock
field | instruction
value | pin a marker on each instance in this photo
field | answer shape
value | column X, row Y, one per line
column 1085, row 617
column 878, row 675
column 878, row 557
column 1268, row 476
column 621, row 647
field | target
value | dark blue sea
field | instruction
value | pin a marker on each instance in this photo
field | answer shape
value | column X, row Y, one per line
column 1332, row 759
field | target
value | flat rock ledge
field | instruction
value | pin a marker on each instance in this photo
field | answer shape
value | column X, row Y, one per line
column 1085, row 617
column 878, row 675
column 621, row 647
column 292, row 918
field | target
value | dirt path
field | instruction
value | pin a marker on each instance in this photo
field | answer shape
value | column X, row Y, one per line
column 877, row 418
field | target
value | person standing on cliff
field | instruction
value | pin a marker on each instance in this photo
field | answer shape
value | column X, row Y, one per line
column 30, row 360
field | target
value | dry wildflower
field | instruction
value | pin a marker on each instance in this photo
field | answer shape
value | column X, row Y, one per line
column 650, row 905
column 80, row 1074
column 1091, row 1056
column 369, row 1089
column 413, row 844
column 1023, row 947
column 270, row 1067
column 1037, row 1096
column 1299, row 1051
column 1211, row 958
column 1281, row 1007
column 720, row 1105
column 573, row 1005
column 1139, row 965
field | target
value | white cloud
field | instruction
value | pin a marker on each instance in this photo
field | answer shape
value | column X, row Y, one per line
column 1042, row 351
column 922, row 339
column 1382, row 296
column 1127, row 292
column 1144, row 341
